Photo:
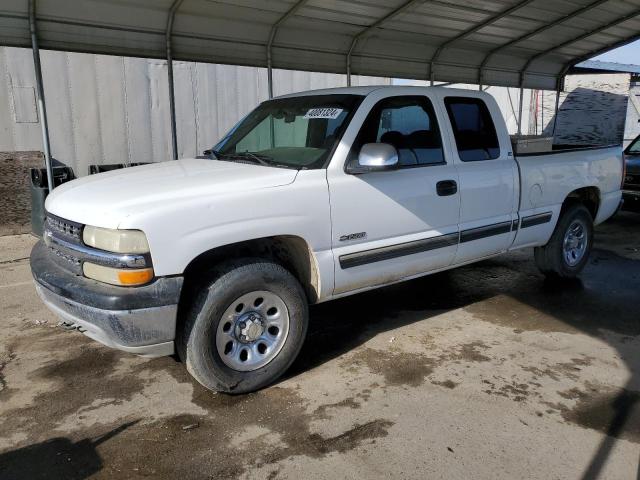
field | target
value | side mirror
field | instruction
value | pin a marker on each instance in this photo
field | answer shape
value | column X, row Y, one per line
column 375, row 157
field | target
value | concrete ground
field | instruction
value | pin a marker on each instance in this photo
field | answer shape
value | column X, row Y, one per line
column 488, row 371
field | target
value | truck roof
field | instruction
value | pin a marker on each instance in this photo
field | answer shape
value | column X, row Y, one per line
column 364, row 91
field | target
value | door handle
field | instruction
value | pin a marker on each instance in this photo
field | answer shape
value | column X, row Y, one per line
column 445, row 188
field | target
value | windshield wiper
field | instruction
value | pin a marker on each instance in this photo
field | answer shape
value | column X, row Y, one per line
column 261, row 159
column 216, row 154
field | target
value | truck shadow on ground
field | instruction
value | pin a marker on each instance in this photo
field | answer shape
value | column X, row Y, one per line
column 602, row 299
column 509, row 291
column 58, row 457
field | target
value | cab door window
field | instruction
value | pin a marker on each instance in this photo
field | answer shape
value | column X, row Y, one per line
column 409, row 124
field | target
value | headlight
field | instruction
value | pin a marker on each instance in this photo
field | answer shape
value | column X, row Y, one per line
column 127, row 242
column 118, row 241
column 117, row 276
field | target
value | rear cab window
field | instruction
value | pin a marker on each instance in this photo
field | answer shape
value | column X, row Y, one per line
column 473, row 129
column 409, row 124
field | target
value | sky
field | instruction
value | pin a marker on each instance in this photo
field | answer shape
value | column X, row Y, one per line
column 629, row 54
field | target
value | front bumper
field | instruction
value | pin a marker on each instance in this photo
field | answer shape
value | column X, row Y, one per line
column 139, row 320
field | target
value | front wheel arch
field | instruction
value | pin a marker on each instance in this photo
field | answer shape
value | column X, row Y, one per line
column 291, row 251
column 217, row 290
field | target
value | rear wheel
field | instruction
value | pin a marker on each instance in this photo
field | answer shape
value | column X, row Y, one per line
column 567, row 252
column 245, row 326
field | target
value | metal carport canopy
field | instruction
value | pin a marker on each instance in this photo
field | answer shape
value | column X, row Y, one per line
column 529, row 43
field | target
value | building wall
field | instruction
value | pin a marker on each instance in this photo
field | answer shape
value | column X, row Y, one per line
column 105, row 109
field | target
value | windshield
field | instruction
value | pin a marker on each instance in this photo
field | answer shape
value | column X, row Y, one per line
column 297, row 132
column 634, row 148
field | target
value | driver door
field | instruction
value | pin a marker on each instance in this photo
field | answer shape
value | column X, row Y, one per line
column 395, row 224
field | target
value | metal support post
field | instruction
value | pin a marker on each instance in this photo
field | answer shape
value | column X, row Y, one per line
column 172, row 99
column 520, row 111
column 42, row 107
column 556, row 109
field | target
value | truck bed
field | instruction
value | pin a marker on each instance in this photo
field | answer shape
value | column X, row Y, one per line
column 546, row 179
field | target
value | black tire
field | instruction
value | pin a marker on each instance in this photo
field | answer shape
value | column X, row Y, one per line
column 196, row 338
column 550, row 258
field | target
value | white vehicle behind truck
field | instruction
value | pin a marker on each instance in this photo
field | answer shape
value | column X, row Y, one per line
column 311, row 197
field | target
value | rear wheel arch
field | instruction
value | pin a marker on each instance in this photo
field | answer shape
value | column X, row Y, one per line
column 553, row 259
column 587, row 196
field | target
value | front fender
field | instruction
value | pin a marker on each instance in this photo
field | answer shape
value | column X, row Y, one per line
column 180, row 232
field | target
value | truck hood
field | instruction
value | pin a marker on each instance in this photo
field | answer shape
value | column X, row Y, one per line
column 106, row 199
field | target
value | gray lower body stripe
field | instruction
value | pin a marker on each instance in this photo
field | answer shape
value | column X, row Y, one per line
column 356, row 259
column 484, row 232
column 533, row 220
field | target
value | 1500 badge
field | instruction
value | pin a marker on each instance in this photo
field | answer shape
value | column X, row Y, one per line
column 353, row 236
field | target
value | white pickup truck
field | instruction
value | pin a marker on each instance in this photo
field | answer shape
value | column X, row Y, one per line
column 311, row 197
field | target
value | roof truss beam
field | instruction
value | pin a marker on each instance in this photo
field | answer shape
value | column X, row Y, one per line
column 272, row 36
column 600, row 51
column 473, row 30
column 362, row 33
column 535, row 32
column 584, row 36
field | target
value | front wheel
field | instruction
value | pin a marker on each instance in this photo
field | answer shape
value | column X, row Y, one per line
column 245, row 326
column 567, row 252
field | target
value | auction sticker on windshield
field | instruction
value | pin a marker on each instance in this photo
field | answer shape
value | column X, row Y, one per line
column 323, row 112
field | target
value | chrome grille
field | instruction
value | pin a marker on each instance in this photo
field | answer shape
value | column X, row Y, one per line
column 71, row 261
column 66, row 229
column 69, row 232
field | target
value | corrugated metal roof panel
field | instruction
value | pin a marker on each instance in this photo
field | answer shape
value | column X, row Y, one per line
column 452, row 40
